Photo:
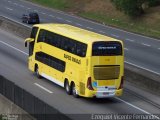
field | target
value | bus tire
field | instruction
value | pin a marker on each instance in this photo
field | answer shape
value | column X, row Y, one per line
column 67, row 87
column 37, row 72
column 74, row 93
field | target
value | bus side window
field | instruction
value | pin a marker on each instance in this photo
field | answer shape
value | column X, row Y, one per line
column 57, row 41
column 71, row 46
column 42, row 36
column 64, row 44
column 81, row 49
column 78, row 50
column 74, row 47
column 51, row 38
column 84, row 50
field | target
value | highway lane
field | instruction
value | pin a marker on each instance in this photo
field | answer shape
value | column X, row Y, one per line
column 140, row 51
column 13, row 66
column 18, row 59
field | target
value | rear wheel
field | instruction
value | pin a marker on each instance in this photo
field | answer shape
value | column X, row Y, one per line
column 37, row 72
column 74, row 91
column 67, row 88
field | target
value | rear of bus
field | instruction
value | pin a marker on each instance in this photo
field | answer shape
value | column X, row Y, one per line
column 106, row 69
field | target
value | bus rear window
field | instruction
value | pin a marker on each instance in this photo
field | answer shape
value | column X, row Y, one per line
column 104, row 48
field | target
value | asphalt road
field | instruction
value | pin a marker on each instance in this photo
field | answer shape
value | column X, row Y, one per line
column 13, row 66
column 140, row 51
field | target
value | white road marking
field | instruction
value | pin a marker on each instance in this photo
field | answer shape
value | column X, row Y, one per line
column 28, row 8
column 79, row 24
column 40, row 86
column 90, row 28
column 8, row 8
column 69, row 21
column 9, row 1
column 154, row 116
column 158, row 48
column 142, row 68
column 115, row 35
column 146, row 44
column 35, row 10
column 101, row 31
column 15, row 4
column 13, row 47
column 129, row 40
column 51, row 15
column 43, row 13
column 126, row 49
column 21, row 6
column 59, row 18
column 115, row 97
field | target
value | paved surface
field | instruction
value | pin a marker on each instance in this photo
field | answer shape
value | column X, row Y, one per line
column 13, row 66
column 140, row 51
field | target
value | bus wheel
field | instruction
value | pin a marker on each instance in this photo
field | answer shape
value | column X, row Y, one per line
column 74, row 91
column 67, row 87
column 37, row 72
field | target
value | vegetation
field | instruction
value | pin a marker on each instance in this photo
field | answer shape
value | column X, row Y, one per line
column 130, row 7
column 145, row 21
column 58, row 4
column 134, row 7
column 153, row 3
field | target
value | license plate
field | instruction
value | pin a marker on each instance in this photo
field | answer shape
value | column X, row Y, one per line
column 105, row 93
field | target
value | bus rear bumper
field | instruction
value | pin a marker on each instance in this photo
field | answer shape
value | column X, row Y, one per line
column 105, row 94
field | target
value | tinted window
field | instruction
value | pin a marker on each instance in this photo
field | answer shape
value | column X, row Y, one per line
column 50, row 61
column 41, row 36
column 33, row 15
column 106, row 48
column 63, row 42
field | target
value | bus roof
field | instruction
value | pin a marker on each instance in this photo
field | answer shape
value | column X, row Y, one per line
column 76, row 33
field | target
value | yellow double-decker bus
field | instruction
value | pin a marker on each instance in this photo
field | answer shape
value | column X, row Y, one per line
column 85, row 63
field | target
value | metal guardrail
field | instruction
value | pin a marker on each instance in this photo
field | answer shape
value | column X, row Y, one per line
column 15, row 27
column 28, row 102
column 12, row 20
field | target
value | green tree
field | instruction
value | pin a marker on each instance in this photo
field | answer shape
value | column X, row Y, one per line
column 130, row 7
column 154, row 2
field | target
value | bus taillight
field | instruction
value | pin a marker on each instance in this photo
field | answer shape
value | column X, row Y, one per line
column 89, row 84
column 121, row 84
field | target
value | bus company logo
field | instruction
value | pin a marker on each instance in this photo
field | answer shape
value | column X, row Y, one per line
column 73, row 59
column 107, row 48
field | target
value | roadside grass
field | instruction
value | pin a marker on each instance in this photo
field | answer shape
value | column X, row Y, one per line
column 56, row 4
column 136, row 26
column 104, row 12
